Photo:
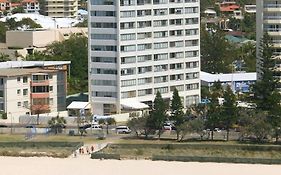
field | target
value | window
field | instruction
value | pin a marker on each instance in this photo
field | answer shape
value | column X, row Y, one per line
column 102, row 2
column 162, row 90
column 176, row 77
column 103, row 71
column 176, row 44
column 25, row 104
column 127, row 25
column 18, row 91
column 144, row 46
column 189, row 43
column 144, row 35
column 179, row 88
column 128, row 48
column 25, row 92
column 144, row 81
column 40, row 89
column 103, row 48
column 24, row 80
column 19, row 104
column 104, row 82
column 127, row 14
column 190, row 65
column 128, row 71
column 125, row 83
column 129, row 36
column 176, row 55
column 162, row 56
column 143, row 58
column 158, row 12
column 143, row 24
column 161, row 34
column 125, row 60
column 160, row 23
column 160, row 79
column 104, row 59
column 160, row 68
column 191, row 21
column 144, row 92
column 18, row 79
column 104, row 36
column 127, row 2
column 103, row 13
column 189, row 32
column 192, row 86
column 1, row 106
column 103, row 25
column 143, row 13
column 189, row 54
column 144, row 69
column 1, row 94
column 192, row 75
column 51, row 101
column 51, row 88
column 190, row 100
column 128, row 94
column 161, row 45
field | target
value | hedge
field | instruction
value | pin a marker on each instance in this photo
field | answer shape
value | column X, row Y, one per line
column 105, row 156
column 216, row 159
column 199, row 146
column 75, row 145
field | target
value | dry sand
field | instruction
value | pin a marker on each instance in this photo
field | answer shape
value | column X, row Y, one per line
column 87, row 166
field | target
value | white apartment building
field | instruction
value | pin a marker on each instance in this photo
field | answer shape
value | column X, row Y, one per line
column 269, row 20
column 139, row 47
column 30, row 6
column 61, row 8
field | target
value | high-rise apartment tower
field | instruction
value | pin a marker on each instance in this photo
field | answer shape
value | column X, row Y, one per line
column 139, row 47
column 268, row 20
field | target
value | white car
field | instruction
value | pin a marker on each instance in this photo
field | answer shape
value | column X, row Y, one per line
column 123, row 130
column 95, row 127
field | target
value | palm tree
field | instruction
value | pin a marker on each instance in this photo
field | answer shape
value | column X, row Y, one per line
column 56, row 124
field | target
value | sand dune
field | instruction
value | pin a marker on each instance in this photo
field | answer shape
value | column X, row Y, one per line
column 85, row 165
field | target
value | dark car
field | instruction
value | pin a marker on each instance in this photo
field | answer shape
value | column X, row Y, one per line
column 3, row 126
column 85, row 126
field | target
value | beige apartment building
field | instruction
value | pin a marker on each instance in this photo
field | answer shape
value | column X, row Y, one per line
column 61, row 8
column 33, row 90
column 40, row 38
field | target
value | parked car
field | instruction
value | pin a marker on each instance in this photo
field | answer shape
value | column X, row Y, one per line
column 169, row 126
column 3, row 126
column 95, row 127
column 123, row 130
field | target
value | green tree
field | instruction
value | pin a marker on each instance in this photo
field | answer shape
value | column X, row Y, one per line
column 82, row 24
column 29, row 23
column 3, row 29
column 266, row 92
column 213, row 117
column 267, row 95
column 18, row 10
column 158, row 114
column 229, row 113
column 216, row 53
column 56, row 124
column 138, row 124
column 4, row 57
column 177, row 113
column 75, row 50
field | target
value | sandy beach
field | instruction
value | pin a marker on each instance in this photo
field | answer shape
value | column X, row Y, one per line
column 85, row 165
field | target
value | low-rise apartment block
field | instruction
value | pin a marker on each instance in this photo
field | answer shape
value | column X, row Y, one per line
column 33, row 89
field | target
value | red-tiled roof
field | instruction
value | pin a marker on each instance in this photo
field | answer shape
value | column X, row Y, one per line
column 229, row 8
column 29, row 1
column 15, row 4
column 4, row 1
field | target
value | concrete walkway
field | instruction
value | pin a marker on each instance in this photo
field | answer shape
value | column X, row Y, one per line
column 85, row 151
